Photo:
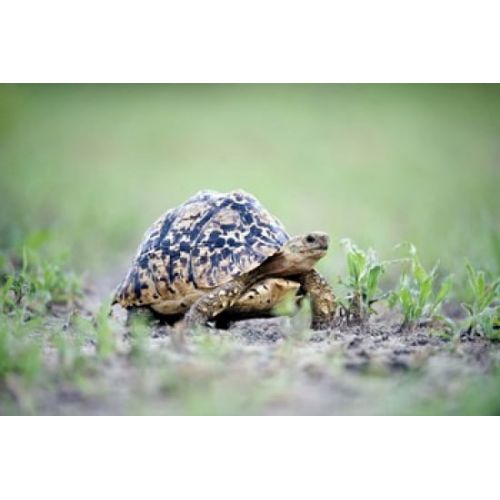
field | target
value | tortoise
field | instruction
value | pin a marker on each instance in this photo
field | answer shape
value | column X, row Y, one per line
column 224, row 252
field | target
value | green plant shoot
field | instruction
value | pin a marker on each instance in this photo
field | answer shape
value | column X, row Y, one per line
column 416, row 294
column 362, row 283
column 483, row 308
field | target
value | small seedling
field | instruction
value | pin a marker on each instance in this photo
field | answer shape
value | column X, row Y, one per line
column 72, row 361
column 20, row 349
column 362, row 282
column 100, row 330
column 483, row 308
column 138, row 334
column 105, row 335
column 415, row 294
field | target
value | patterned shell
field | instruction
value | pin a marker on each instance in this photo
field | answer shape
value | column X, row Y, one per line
column 203, row 243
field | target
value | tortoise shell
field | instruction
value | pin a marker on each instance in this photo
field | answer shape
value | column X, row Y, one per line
column 205, row 242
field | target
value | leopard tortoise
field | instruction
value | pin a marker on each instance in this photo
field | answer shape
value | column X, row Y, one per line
column 224, row 252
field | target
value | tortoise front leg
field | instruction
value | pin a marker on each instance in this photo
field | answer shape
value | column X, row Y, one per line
column 323, row 302
column 213, row 303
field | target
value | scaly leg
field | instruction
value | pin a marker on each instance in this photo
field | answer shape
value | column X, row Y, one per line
column 213, row 303
column 323, row 302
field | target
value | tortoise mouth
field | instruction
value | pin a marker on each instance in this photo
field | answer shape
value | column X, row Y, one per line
column 313, row 253
column 317, row 248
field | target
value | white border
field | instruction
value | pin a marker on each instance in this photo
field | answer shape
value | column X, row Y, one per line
column 258, row 41
column 249, row 458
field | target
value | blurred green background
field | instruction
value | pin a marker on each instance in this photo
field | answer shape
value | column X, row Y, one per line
column 96, row 164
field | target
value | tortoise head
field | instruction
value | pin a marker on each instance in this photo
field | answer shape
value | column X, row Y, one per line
column 313, row 244
column 298, row 255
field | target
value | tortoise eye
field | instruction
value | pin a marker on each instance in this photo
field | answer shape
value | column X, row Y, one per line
column 310, row 238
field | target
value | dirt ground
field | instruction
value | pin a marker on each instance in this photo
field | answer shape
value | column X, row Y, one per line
column 276, row 366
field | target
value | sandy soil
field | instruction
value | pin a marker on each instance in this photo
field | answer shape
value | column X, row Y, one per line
column 278, row 366
column 266, row 366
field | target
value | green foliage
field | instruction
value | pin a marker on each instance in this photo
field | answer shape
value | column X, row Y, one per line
column 20, row 347
column 211, row 347
column 288, row 306
column 99, row 329
column 483, row 307
column 364, row 271
column 138, row 334
column 416, row 293
column 32, row 279
column 105, row 335
column 71, row 359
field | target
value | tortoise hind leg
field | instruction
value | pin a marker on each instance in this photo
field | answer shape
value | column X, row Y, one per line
column 218, row 300
column 265, row 295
